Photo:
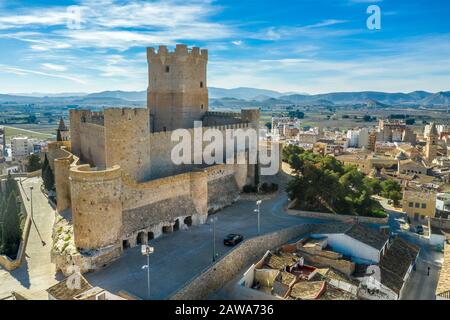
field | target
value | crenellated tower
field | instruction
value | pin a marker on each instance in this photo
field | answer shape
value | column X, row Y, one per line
column 177, row 92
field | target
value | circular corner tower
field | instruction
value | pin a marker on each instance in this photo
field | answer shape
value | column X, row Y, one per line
column 96, row 206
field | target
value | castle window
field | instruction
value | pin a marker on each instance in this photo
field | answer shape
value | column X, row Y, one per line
column 202, row 106
column 201, row 84
column 167, row 68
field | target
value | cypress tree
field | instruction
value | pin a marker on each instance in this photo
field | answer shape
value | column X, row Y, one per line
column 49, row 179
column 58, row 135
column 45, row 165
column 11, row 227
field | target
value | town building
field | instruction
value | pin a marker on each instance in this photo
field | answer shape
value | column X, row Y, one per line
column 2, row 144
column 411, row 167
column 419, row 204
column 443, row 205
column 20, row 148
column 334, row 262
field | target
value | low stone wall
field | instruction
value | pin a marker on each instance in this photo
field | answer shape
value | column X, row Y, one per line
column 336, row 217
column 231, row 264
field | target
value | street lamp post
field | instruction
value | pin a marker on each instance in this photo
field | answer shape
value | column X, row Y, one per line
column 258, row 212
column 146, row 251
column 213, row 221
column 31, row 202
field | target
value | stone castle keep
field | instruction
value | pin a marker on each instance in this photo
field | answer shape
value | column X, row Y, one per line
column 115, row 177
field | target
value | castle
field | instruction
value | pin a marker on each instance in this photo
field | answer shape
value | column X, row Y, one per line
column 115, row 176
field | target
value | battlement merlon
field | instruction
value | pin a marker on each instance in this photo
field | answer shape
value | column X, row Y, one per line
column 181, row 51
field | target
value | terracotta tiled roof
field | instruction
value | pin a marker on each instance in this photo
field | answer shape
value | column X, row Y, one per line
column 280, row 261
column 286, row 278
column 307, row 290
column 62, row 291
column 370, row 236
column 395, row 263
column 333, row 293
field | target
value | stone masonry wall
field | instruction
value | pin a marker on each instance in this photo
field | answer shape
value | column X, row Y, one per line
column 177, row 91
column 96, row 206
column 127, row 141
column 162, row 201
column 248, row 252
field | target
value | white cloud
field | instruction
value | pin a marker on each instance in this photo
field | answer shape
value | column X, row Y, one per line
column 23, row 72
column 53, row 67
column 237, row 42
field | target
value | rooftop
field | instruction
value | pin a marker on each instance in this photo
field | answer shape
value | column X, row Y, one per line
column 395, row 263
column 307, row 290
column 65, row 291
column 280, row 261
column 370, row 236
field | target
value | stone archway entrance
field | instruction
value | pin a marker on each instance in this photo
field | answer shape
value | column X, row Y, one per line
column 176, row 226
column 150, row 236
column 167, row 229
column 141, row 238
column 125, row 244
column 188, row 221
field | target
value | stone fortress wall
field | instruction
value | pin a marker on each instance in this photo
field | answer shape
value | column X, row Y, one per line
column 116, row 175
column 174, row 197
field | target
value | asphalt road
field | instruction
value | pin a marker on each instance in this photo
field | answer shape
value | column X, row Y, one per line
column 37, row 273
column 181, row 256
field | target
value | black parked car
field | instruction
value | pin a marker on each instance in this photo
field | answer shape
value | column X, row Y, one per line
column 232, row 239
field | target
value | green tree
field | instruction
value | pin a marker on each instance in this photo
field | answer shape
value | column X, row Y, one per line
column 373, row 184
column 34, row 163
column 395, row 196
column 296, row 114
column 45, row 165
column 49, row 179
column 11, row 227
column 388, row 186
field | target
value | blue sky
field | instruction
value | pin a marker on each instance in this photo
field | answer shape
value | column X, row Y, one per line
column 311, row 46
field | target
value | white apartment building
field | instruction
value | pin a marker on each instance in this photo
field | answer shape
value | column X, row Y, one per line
column 353, row 138
column 443, row 205
column 358, row 138
column 20, row 147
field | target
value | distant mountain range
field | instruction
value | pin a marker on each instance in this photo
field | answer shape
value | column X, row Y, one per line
column 244, row 97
